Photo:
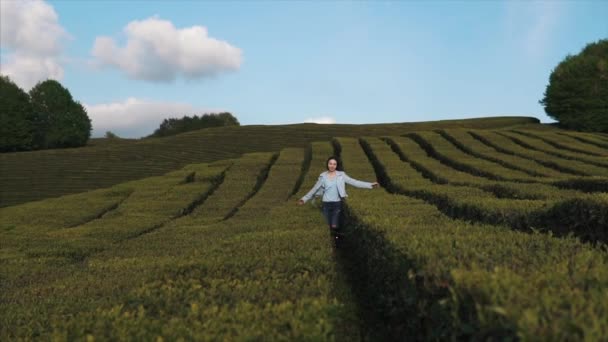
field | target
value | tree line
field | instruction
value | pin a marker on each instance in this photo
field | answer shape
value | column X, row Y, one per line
column 46, row 117
column 577, row 93
column 174, row 126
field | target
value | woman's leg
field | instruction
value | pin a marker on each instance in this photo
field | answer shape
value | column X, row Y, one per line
column 335, row 215
column 326, row 212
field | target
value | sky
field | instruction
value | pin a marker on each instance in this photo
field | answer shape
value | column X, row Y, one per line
column 134, row 63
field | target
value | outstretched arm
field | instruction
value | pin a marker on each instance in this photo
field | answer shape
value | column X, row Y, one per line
column 312, row 191
column 358, row 183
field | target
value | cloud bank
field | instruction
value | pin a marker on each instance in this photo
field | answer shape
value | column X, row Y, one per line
column 321, row 120
column 31, row 37
column 135, row 118
column 155, row 50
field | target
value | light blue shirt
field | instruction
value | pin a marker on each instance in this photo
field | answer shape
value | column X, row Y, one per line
column 331, row 190
column 341, row 179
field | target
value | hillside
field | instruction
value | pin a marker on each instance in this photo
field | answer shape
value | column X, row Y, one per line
column 29, row 176
column 475, row 234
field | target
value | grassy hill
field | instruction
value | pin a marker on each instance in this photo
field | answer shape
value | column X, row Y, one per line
column 476, row 233
column 29, row 176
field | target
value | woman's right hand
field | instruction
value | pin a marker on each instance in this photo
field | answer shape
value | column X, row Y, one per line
column 300, row 202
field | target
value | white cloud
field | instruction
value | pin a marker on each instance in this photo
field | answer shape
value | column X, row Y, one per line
column 321, row 120
column 26, row 70
column 317, row 120
column 547, row 14
column 31, row 35
column 533, row 24
column 134, row 118
column 156, row 50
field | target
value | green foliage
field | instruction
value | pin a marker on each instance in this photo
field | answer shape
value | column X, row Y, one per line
column 566, row 147
column 236, row 279
column 17, row 121
column 220, row 251
column 473, row 203
column 62, row 121
column 521, row 146
column 409, row 151
column 467, row 143
column 584, row 165
column 174, row 126
column 111, row 135
column 577, row 93
column 434, row 277
column 42, row 174
column 238, row 183
column 588, row 139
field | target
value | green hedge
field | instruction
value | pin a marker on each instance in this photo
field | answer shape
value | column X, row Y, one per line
column 476, row 205
column 267, row 272
column 439, row 278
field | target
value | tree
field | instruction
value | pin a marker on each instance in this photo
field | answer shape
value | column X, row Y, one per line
column 62, row 122
column 17, row 119
column 111, row 135
column 174, row 126
column 577, row 93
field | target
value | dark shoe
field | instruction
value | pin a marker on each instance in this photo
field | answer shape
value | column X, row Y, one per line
column 339, row 240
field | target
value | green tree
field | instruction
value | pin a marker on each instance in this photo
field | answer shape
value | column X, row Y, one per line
column 17, row 119
column 577, row 93
column 174, row 126
column 63, row 121
column 111, row 135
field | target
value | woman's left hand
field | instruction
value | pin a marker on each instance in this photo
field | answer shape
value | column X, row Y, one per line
column 375, row 185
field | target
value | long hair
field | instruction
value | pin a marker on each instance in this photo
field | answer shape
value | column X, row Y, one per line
column 338, row 163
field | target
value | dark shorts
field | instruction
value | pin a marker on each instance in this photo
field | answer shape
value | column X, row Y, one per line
column 332, row 211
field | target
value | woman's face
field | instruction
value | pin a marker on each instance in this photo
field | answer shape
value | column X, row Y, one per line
column 331, row 165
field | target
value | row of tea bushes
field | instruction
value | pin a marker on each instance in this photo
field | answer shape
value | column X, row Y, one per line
column 525, row 147
column 568, row 146
column 154, row 202
column 39, row 252
column 240, row 181
column 267, row 272
column 591, row 210
column 588, row 138
column 438, row 278
column 465, row 142
column 441, row 148
column 440, row 173
column 29, row 176
column 507, row 146
column 52, row 227
column 559, row 150
column 485, row 144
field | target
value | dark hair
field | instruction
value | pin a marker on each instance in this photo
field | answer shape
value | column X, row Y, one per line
column 338, row 163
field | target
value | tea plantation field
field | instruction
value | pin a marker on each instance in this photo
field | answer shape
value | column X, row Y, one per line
column 476, row 233
column 35, row 175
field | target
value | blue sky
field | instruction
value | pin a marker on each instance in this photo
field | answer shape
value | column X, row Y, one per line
column 282, row 62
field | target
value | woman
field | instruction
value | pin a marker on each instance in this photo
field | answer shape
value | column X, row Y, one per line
column 332, row 182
